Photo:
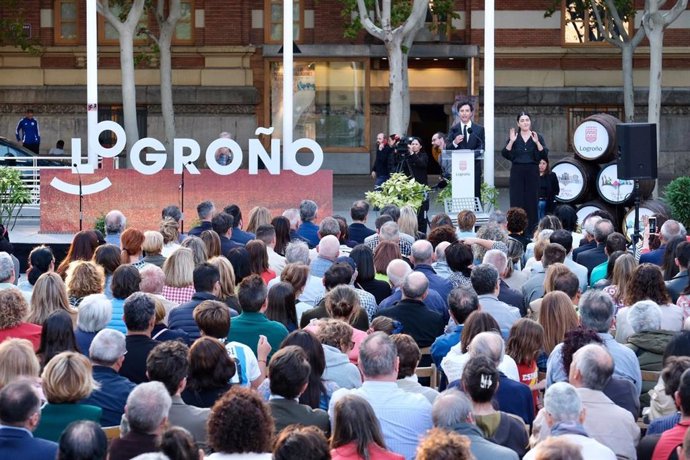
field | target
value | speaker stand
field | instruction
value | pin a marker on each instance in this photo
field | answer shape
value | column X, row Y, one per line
column 636, row 232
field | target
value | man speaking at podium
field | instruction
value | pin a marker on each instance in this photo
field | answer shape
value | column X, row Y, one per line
column 468, row 135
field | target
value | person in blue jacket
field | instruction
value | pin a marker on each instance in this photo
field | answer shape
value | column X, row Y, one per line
column 30, row 136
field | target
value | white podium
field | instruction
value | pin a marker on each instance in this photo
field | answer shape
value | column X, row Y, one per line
column 458, row 166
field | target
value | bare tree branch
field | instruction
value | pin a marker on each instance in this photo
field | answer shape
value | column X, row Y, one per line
column 416, row 16
column 672, row 14
column 366, row 21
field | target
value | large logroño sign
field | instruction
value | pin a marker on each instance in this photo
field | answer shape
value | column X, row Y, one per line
column 148, row 156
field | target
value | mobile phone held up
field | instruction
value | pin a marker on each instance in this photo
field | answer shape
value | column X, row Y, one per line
column 652, row 225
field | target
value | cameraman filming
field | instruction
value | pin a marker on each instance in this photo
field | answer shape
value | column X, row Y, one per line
column 413, row 162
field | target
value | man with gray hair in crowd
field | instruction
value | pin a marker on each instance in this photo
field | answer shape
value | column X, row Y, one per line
column 397, row 271
column 83, row 439
column 404, row 417
column 611, row 425
column 418, row 321
column 486, row 283
column 7, row 273
column 308, row 229
column 328, row 250
column 422, row 256
column 115, row 223
column 389, row 231
column 506, row 294
column 441, row 265
column 588, row 231
column 107, row 352
column 146, row 414
column 596, row 312
column 452, row 410
column 564, row 417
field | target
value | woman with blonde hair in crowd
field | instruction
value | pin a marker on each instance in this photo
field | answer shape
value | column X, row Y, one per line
column 623, row 269
column 212, row 242
column 198, row 248
column 67, row 379
column 179, row 276
column 228, row 294
column 152, row 246
column 407, row 223
column 258, row 216
column 17, row 359
column 83, row 278
column 557, row 316
column 170, row 230
column 647, row 283
column 131, row 245
column 552, row 273
column 50, row 294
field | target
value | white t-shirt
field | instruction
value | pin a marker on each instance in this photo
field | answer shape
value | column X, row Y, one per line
column 246, row 363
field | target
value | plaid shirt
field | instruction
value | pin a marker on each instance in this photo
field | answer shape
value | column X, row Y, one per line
column 178, row 295
column 405, row 246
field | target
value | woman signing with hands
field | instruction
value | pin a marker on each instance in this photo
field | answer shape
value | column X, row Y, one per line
column 524, row 149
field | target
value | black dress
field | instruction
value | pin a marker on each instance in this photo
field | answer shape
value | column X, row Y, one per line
column 524, row 176
column 414, row 166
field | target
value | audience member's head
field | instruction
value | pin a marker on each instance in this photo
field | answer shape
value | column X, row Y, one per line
column 139, row 313
column 84, row 278
column 439, row 444
column 304, row 442
column 422, row 253
column 592, row 367
column 337, row 274
column 126, row 281
column 57, row 335
column 20, row 406
column 210, row 366
column 178, row 444
column 476, row 322
column 644, row 315
column 596, row 310
column 516, row 221
column 213, row 318
column 206, row 278
column 83, row 440
column 108, row 348
column 408, row 354
column 553, row 253
column 480, row 379
column 602, row 230
column 205, row 210
column 562, row 404
column 307, row 211
column 466, row 220
column 378, row 357
column 67, row 378
column 171, row 212
column 252, row 294
column 147, row 408
column 152, row 279
column 289, row 372
column 451, row 409
column 167, row 363
column 115, row 222
column 484, row 279
column 557, row 448
column 153, row 242
column 49, row 295
column 359, row 211
column 461, row 303
column 237, row 413
column 17, row 359
column 108, row 257
column 459, row 258
column 354, row 420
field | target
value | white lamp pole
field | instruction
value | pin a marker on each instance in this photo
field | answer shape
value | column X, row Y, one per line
column 92, row 79
column 288, row 82
column 489, row 82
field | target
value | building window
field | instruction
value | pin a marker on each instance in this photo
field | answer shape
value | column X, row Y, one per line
column 273, row 21
column 107, row 34
column 330, row 102
column 580, row 24
column 67, row 22
column 184, row 29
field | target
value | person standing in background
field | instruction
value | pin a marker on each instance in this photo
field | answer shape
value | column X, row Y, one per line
column 524, row 150
column 30, row 136
column 548, row 189
column 384, row 162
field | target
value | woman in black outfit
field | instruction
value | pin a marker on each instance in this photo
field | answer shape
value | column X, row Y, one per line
column 364, row 258
column 548, row 188
column 414, row 165
column 524, row 149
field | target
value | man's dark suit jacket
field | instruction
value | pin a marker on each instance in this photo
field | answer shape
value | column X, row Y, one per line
column 475, row 142
column 512, row 297
column 287, row 411
column 134, row 365
column 226, row 245
column 417, row 320
column 358, row 232
column 131, row 445
column 582, row 248
column 592, row 258
column 655, row 256
column 676, row 285
column 199, row 229
column 111, row 396
column 18, row 443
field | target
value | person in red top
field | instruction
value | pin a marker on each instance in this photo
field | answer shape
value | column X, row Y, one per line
column 673, row 438
column 525, row 342
column 13, row 310
column 258, row 260
column 357, row 432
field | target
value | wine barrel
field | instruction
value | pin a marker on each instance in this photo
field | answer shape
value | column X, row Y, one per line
column 589, row 207
column 647, row 208
column 576, row 179
column 619, row 191
column 595, row 138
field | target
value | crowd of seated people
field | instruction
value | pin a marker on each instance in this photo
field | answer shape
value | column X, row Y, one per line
column 298, row 336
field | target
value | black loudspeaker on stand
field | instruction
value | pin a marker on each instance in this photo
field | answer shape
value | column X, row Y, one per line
column 637, row 155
